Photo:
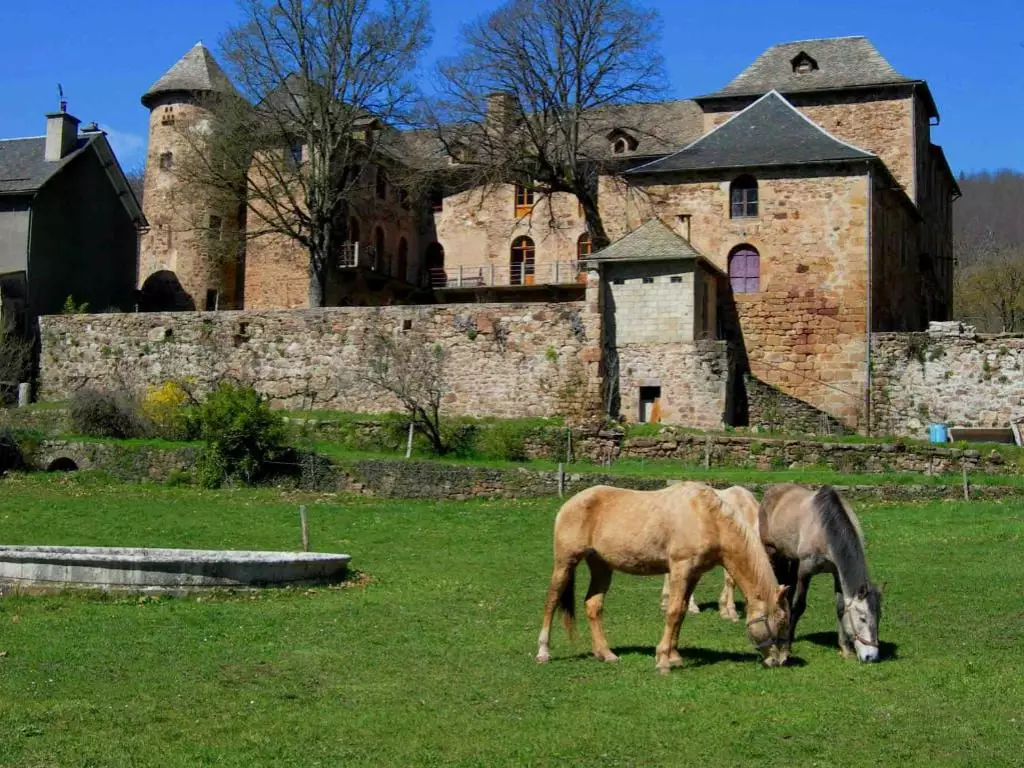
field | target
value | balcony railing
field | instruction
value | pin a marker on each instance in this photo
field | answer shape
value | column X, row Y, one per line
column 503, row 275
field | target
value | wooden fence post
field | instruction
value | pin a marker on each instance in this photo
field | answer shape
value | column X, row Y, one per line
column 304, row 523
column 561, row 480
column 408, row 442
column 967, row 484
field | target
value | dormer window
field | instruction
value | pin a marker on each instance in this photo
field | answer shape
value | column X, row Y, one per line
column 622, row 142
column 803, row 63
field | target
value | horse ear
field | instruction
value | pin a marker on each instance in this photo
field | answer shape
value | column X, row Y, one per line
column 782, row 591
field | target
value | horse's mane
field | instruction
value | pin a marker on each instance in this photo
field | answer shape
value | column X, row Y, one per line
column 760, row 563
column 843, row 534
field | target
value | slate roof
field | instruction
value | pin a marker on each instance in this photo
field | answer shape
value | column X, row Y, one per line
column 843, row 62
column 658, row 127
column 23, row 166
column 651, row 241
column 770, row 132
column 196, row 71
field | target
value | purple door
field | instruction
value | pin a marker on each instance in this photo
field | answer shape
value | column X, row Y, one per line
column 745, row 270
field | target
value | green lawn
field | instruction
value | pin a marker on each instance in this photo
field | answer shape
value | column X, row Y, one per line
column 430, row 662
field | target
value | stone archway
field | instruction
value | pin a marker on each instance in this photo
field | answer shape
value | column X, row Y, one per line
column 163, row 292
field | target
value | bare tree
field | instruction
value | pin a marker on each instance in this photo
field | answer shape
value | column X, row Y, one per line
column 322, row 83
column 531, row 89
column 136, row 176
column 15, row 359
column 988, row 244
column 407, row 366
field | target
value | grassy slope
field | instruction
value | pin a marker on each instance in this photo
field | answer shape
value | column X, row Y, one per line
column 431, row 664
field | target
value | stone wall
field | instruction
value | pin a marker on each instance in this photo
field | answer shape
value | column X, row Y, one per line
column 506, row 360
column 437, row 480
column 772, row 409
column 949, row 375
column 477, row 228
column 692, row 378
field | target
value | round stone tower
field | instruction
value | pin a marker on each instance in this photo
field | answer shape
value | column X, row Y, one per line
column 185, row 261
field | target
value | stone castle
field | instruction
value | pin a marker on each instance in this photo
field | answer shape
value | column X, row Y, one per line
column 768, row 228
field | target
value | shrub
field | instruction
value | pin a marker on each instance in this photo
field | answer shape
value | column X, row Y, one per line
column 11, row 457
column 167, row 408
column 241, row 434
column 106, row 414
column 504, row 440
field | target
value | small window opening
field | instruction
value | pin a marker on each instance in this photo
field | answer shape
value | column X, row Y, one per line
column 407, row 325
column 648, row 280
column 167, row 116
column 524, row 200
column 618, row 281
column 436, row 200
column 803, row 63
column 743, row 197
column 382, row 184
column 620, row 147
column 166, row 161
column 294, row 153
column 650, row 405
column 676, row 279
column 212, row 300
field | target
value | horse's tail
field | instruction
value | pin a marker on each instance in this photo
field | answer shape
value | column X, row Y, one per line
column 567, row 602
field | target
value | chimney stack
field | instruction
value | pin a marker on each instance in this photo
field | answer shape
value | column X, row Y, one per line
column 61, row 134
column 502, row 112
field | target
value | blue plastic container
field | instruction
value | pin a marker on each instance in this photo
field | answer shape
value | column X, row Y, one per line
column 937, row 433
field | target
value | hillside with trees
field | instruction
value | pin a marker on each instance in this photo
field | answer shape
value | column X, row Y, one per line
column 988, row 243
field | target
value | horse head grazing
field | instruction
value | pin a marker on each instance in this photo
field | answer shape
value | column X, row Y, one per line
column 860, row 618
column 768, row 628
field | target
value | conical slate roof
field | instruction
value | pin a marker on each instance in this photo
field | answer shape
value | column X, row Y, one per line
column 196, row 72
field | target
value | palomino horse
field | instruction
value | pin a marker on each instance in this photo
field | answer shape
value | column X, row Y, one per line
column 684, row 531
column 744, row 503
column 809, row 532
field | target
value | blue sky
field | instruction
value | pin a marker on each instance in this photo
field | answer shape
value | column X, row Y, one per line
column 106, row 53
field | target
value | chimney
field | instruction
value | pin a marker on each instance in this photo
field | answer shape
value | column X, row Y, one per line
column 501, row 112
column 61, row 135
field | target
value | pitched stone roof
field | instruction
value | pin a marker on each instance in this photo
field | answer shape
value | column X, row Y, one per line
column 23, row 164
column 651, row 241
column 770, row 132
column 841, row 62
column 657, row 127
column 195, row 72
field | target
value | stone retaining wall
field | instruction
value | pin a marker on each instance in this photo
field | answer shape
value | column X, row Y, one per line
column 950, row 375
column 501, row 359
column 415, row 479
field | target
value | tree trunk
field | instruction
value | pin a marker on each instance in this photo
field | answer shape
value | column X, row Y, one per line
column 319, row 264
column 595, row 226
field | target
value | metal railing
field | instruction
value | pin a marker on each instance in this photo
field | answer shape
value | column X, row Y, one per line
column 502, row 275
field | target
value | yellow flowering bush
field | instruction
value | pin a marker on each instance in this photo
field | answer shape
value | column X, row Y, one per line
column 167, row 407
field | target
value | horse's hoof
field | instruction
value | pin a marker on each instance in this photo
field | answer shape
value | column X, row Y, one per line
column 609, row 657
column 543, row 658
column 676, row 662
column 664, row 670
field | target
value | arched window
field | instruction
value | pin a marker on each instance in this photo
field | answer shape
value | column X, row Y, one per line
column 619, row 147
column 743, row 197
column 433, row 260
column 524, row 200
column 378, row 248
column 403, row 260
column 521, row 266
column 745, row 269
column 584, row 245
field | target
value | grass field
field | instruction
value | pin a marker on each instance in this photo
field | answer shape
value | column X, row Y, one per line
column 429, row 662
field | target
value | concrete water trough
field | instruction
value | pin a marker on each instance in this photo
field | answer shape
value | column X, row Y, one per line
column 33, row 568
